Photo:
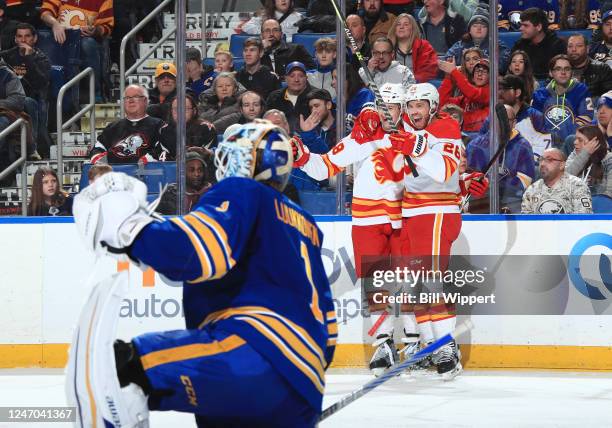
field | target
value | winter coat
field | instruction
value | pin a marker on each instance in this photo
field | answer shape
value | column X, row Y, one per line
column 285, row 53
column 424, row 60
column 278, row 100
column 321, row 78
column 381, row 27
column 598, row 77
column 474, row 99
column 221, row 116
column 34, row 71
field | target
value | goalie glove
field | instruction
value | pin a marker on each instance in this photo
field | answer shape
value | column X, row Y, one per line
column 367, row 127
column 301, row 154
column 478, row 184
column 413, row 145
column 111, row 212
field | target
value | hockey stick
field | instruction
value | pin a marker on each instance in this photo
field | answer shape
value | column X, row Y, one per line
column 371, row 82
column 504, row 136
column 395, row 370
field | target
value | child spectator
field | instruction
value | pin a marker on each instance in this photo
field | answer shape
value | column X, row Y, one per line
column 96, row 171
column 321, row 77
column 224, row 61
column 411, row 50
column 48, row 199
column 474, row 98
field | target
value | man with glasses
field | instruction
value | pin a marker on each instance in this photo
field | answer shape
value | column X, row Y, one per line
column 565, row 102
column 278, row 53
column 556, row 192
column 129, row 140
column 383, row 67
column 516, row 164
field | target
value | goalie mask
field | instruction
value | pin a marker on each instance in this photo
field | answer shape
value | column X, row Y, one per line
column 258, row 150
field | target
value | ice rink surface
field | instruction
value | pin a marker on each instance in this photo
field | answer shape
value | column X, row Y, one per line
column 476, row 398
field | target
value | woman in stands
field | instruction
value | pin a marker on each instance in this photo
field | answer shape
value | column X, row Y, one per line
column 411, row 50
column 47, row 197
column 520, row 65
column 200, row 133
column 281, row 10
column 356, row 94
column 591, row 160
column 473, row 98
column 469, row 59
column 219, row 104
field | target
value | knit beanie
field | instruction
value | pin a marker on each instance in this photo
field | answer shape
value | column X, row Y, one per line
column 480, row 16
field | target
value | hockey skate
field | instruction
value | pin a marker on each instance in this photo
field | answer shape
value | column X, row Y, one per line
column 385, row 355
column 448, row 361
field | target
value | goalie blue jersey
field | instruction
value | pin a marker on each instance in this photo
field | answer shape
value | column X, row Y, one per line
column 251, row 264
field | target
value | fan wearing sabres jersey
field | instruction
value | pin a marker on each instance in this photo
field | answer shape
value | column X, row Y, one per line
column 261, row 327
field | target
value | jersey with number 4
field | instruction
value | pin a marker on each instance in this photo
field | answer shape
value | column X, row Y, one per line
column 251, row 264
column 379, row 170
column 436, row 189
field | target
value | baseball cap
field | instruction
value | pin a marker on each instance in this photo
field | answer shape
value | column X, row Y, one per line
column 605, row 100
column 606, row 16
column 165, row 68
column 483, row 62
column 293, row 65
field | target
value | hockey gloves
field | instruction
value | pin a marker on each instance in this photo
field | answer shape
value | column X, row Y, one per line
column 367, row 127
column 111, row 212
column 413, row 145
column 479, row 184
column 301, row 154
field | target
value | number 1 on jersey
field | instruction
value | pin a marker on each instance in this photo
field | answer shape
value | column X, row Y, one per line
column 314, row 303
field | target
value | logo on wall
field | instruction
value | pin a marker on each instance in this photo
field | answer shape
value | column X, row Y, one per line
column 605, row 271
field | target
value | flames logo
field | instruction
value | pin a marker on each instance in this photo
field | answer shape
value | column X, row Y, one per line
column 73, row 18
column 388, row 165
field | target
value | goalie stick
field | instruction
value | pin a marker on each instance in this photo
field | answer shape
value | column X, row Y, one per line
column 395, row 370
column 504, row 136
column 371, row 82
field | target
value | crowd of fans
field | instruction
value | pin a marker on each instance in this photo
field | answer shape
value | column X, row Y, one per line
column 557, row 88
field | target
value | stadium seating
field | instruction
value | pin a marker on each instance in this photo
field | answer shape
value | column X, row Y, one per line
column 154, row 174
column 236, row 42
column 308, row 40
column 238, row 62
column 602, row 204
column 509, row 38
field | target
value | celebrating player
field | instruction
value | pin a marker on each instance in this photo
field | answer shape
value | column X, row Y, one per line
column 260, row 320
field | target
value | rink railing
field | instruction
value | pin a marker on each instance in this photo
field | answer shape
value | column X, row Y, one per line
column 22, row 123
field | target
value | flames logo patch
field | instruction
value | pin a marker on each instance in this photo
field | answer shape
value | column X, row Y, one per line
column 388, row 165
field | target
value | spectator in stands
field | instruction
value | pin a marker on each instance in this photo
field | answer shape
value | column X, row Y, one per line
column 358, row 30
column 132, row 139
column 520, row 65
column 470, row 58
column 473, row 98
column 565, row 102
column 529, row 121
column 7, row 27
column 22, row 11
column 602, row 51
column 516, row 166
column 278, row 53
column 355, row 94
column 321, row 77
column 595, row 74
column 199, row 177
column 376, row 20
column 48, row 199
column 252, row 106
column 164, row 92
column 224, row 61
column 442, row 26
column 456, row 113
column 95, row 20
column 97, row 171
column 199, row 76
column 384, row 68
column 219, row 104
column 537, row 41
column 478, row 36
column 254, row 76
column 557, row 192
column 604, row 116
column 282, row 11
column 318, row 130
column 32, row 67
column 463, row 8
column 278, row 118
column 591, row 161
column 292, row 100
column 411, row 50
column 199, row 133
column 12, row 101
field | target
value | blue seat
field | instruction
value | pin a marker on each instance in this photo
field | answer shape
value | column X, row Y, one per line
column 509, row 38
column 564, row 34
column 154, row 174
column 238, row 62
column 236, row 43
column 318, row 202
column 602, row 204
column 308, row 40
